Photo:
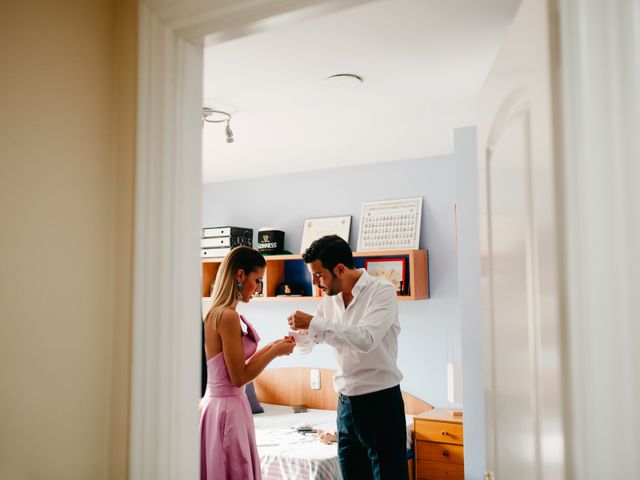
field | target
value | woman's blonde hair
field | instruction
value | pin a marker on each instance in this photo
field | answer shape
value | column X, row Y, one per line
column 226, row 293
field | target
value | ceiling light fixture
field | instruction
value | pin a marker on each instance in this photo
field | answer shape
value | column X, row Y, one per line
column 218, row 116
column 351, row 78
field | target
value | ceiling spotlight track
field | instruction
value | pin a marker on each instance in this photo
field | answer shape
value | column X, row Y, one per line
column 211, row 115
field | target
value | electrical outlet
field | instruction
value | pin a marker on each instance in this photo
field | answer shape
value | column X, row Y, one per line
column 315, row 379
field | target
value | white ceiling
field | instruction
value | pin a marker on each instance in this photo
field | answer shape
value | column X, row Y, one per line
column 423, row 62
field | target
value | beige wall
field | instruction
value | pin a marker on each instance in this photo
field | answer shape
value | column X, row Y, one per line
column 67, row 118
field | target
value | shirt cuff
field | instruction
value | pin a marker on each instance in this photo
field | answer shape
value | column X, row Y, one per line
column 317, row 328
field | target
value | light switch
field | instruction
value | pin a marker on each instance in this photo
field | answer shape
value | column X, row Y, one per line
column 315, row 379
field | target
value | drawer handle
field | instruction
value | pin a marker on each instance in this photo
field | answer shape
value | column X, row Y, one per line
column 444, row 432
column 445, row 453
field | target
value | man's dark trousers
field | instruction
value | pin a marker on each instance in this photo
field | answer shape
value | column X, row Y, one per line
column 372, row 436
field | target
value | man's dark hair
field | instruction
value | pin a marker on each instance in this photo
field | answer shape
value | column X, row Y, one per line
column 330, row 250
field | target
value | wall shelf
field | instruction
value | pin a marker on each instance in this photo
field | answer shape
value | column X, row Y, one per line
column 293, row 269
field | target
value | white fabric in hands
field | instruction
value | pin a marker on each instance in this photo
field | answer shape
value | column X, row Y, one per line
column 304, row 344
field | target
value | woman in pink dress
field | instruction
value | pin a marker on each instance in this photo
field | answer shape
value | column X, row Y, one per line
column 227, row 434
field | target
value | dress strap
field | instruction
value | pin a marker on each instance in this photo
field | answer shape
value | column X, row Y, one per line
column 251, row 332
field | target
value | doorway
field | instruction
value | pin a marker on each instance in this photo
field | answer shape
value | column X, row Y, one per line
column 172, row 35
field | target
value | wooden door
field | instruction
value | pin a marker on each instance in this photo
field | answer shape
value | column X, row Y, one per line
column 521, row 255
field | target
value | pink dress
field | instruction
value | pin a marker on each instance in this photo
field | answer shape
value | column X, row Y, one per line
column 227, row 435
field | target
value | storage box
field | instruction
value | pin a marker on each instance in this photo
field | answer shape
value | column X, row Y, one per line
column 233, row 232
column 217, row 242
column 214, row 252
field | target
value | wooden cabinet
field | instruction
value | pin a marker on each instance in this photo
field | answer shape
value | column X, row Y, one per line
column 291, row 268
column 438, row 446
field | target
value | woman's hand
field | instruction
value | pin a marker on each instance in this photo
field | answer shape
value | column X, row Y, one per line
column 283, row 347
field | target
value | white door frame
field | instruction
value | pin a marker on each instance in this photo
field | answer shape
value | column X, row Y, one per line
column 165, row 356
column 165, row 387
column 601, row 104
column 600, row 65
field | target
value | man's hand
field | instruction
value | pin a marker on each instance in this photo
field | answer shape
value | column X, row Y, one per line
column 299, row 320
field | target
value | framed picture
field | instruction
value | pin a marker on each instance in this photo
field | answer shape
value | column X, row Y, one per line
column 392, row 269
column 390, row 224
column 315, row 228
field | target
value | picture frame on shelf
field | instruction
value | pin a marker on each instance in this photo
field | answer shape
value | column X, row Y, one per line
column 390, row 224
column 315, row 228
column 392, row 269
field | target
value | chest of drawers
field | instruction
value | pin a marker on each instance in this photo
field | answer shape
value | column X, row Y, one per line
column 439, row 451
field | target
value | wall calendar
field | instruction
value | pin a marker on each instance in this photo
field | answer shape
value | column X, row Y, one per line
column 390, row 224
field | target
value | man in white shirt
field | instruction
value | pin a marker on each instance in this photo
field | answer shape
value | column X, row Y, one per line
column 358, row 316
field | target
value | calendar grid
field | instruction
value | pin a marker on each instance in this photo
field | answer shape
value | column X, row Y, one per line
column 390, row 224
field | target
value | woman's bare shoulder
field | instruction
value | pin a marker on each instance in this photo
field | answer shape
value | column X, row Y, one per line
column 229, row 317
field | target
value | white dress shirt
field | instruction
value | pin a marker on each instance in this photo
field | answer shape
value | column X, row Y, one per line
column 364, row 335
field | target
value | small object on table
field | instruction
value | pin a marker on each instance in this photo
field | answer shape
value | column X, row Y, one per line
column 300, row 409
column 304, row 428
column 326, row 437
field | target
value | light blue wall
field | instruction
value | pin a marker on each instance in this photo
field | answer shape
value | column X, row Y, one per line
column 430, row 328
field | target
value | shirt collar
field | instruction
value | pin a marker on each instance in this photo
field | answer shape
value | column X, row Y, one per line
column 364, row 280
